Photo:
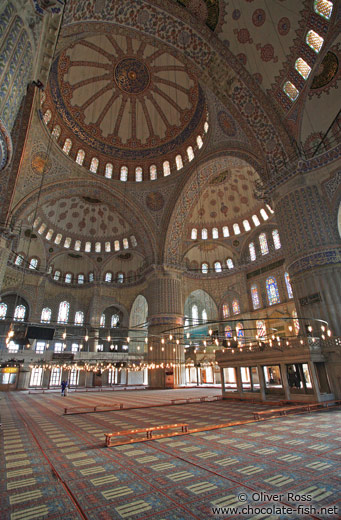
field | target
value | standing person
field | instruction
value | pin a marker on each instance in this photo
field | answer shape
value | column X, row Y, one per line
column 66, row 389
column 63, row 388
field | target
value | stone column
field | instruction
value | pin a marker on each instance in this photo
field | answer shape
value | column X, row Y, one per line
column 262, row 386
column 239, row 381
column 285, row 383
column 165, row 318
column 310, row 237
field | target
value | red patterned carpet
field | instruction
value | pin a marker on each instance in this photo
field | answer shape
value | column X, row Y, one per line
column 57, row 467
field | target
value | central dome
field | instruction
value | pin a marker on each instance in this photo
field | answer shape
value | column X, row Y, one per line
column 132, row 76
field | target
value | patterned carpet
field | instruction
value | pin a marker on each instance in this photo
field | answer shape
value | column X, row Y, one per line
column 56, row 466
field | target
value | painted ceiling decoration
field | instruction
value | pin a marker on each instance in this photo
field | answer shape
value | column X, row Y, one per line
column 207, row 11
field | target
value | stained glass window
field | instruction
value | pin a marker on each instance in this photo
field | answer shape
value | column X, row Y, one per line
column 296, row 322
column 204, row 234
column 108, row 277
column 114, row 320
column 252, row 251
column 190, row 153
column 67, row 242
column 272, row 291
column 199, row 141
column 3, row 310
column 98, row 247
column 19, row 313
column 226, row 310
column 19, row 260
column 194, row 234
column 78, row 244
column 288, row 284
column 63, row 312
column 68, row 278
column 133, row 241
column 94, row 165
column 178, row 162
column 217, row 267
column 138, row 174
column 117, row 245
column 314, row 40
column 204, row 268
column 91, row 277
column 125, row 243
column 166, row 168
column 263, row 244
column 206, row 127
column 235, row 307
column 36, row 222
column 49, row 234
column 56, row 275
column 229, row 263
column 255, row 220
column 33, row 263
column 79, row 318
column 240, row 330
column 228, row 331
column 124, row 173
column 323, row 8
column 81, row 278
column 107, row 247
column 58, row 239
column 87, row 247
column 108, row 170
column 153, row 172
column 215, row 233
column 56, row 132
column 204, row 315
column 236, row 229
column 67, row 146
column 195, row 315
column 246, row 225
column 255, row 297
column 120, row 277
column 261, row 329
column 102, row 321
column 302, row 68
column 264, row 214
column 226, row 232
column 80, row 157
column 276, row 239
column 290, row 90
column 46, row 315
column 47, row 116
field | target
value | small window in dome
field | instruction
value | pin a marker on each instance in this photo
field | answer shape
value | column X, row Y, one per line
column 270, row 209
column 290, row 90
column 314, row 40
column 252, row 251
column 42, row 229
column 124, row 173
column 117, row 245
column 153, row 172
column 138, row 174
column 217, row 267
column 226, row 232
column 19, row 260
column 264, row 214
column 133, row 241
column 264, row 249
column 33, row 263
column 199, row 142
column 120, row 277
column 302, row 68
column 204, row 268
column 236, row 229
column 98, row 247
column 108, row 277
column 56, row 132
column 67, row 242
column 58, row 239
column 204, row 234
column 255, row 220
column 194, row 234
column 125, row 243
column 36, row 222
column 47, row 117
column 246, row 225
column 49, row 234
column 94, row 165
column 107, row 247
column 206, row 127
column 80, row 278
column 43, row 98
column 190, row 153
column 166, row 168
column 80, row 157
column 68, row 278
column 215, row 233
column 67, row 146
column 91, row 277
column 108, row 170
column 323, row 8
column 178, row 162
column 229, row 263
column 78, row 245
column 56, row 276
column 87, row 247
column 276, row 239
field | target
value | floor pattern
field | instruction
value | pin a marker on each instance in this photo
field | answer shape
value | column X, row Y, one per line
column 56, row 467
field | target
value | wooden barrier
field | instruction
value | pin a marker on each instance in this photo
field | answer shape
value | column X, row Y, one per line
column 189, row 400
column 303, row 407
column 148, row 431
column 93, row 409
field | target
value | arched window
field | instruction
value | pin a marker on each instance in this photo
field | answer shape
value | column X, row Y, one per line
column 102, row 320
column 204, row 315
column 46, row 315
column 43, row 98
column 194, row 234
column 58, row 239
column 80, row 278
column 108, row 277
column 56, row 132
column 263, row 244
column 276, row 239
column 124, row 173
column 166, row 168
column 295, row 322
column 235, row 307
column 68, row 278
column 195, row 315
column 19, row 313
column 314, row 40
column 215, row 233
column 199, row 141
column 178, row 162
column 36, row 222
column 226, row 310
column 56, row 275
column 228, row 331
column 63, row 312
column 323, row 8
column 288, row 284
column 47, row 116
column 236, row 229
column 217, row 267
column 108, row 170
column 226, row 232
column 255, row 297
column 94, row 165
column 261, row 329
column 79, row 318
column 87, row 247
column 98, row 247
column 204, row 234
column 302, row 68
column 125, row 243
column 252, row 251
column 78, row 245
column 138, row 174
column 19, row 260
column 91, row 277
column 206, row 127
column 114, row 321
column 190, row 153
column 246, row 225
column 120, row 277
column 42, row 229
column 33, row 263
column 67, row 146
column 204, row 268
column 240, row 330
column 272, row 291
column 229, row 263
column 117, row 245
column 67, row 242
column 80, row 157
column 255, row 220
column 264, row 214
column 49, row 234
column 133, row 241
column 3, row 310
column 153, row 172
column 107, row 247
